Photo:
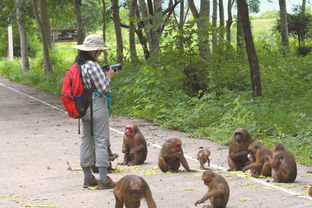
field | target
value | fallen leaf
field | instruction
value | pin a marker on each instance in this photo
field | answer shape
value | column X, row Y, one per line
column 268, row 188
column 148, row 173
column 244, row 199
column 7, row 196
column 188, row 189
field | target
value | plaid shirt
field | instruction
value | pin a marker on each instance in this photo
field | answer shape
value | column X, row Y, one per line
column 93, row 75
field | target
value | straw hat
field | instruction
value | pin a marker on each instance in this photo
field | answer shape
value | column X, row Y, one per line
column 92, row 43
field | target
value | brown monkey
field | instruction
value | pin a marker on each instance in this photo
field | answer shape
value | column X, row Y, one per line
column 218, row 192
column 203, row 157
column 238, row 149
column 130, row 190
column 171, row 156
column 111, row 157
column 260, row 164
column 134, row 146
column 283, row 163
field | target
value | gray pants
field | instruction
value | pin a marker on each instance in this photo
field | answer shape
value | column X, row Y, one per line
column 98, row 143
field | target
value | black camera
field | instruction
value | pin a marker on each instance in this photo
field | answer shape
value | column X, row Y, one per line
column 115, row 67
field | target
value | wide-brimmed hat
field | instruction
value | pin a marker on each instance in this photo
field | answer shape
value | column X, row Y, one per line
column 92, row 43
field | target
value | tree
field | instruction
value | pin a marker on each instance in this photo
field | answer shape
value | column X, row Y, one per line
column 132, row 20
column 221, row 14
column 214, row 25
column 40, row 17
column 104, row 16
column 80, row 27
column 250, row 48
column 303, row 7
column 284, row 26
column 20, row 17
column 116, row 20
column 202, row 25
column 229, row 22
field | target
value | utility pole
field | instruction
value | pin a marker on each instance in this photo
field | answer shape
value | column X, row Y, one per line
column 10, row 43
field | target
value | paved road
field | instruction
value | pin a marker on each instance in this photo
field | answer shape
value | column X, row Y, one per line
column 37, row 140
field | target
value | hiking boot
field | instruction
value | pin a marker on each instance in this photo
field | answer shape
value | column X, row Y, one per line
column 90, row 182
column 108, row 184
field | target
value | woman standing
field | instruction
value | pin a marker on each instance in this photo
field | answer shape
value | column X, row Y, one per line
column 96, row 79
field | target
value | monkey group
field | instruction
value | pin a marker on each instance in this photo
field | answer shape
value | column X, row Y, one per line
column 244, row 154
column 247, row 154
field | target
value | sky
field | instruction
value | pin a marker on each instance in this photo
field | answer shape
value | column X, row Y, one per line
column 266, row 6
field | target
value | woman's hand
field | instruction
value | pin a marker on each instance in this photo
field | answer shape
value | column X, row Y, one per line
column 110, row 73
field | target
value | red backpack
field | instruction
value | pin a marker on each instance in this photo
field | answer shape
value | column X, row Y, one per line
column 75, row 97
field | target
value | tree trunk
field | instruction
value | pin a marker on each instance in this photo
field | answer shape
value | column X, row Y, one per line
column 20, row 15
column 132, row 20
column 203, row 36
column 146, row 20
column 46, row 53
column 202, row 23
column 141, row 37
column 181, row 20
column 284, row 26
column 156, row 31
column 214, row 26
column 240, row 47
column 80, row 27
column 221, row 14
column 104, row 15
column 250, row 48
column 303, row 7
column 45, row 17
column 229, row 22
column 116, row 19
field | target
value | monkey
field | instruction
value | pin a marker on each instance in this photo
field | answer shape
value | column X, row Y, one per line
column 111, row 157
column 134, row 146
column 283, row 163
column 130, row 190
column 218, row 192
column 203, row 157
column 260, row 164
column 171, row 156
column 238, row 150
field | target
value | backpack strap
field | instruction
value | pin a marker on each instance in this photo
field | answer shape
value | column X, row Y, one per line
column 90, row 97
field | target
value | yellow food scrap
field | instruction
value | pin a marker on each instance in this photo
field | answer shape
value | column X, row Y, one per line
column 244, row 199
column 188, row 189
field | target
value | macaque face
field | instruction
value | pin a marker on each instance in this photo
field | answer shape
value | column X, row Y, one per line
column 129, row 130
column 238, row 137
column 206, row 177
column 177, row 147
column 251, row 156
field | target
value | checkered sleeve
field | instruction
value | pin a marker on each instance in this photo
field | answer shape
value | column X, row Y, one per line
column 97, row 77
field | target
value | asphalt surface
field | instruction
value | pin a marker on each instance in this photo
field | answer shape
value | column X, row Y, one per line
column 39, row 142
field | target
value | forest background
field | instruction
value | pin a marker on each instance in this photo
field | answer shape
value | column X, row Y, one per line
column 194, row 66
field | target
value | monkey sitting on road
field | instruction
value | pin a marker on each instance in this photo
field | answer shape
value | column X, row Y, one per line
column 258, row 154
column 218, row 190
column 171, row 156
column 130, row 190
column 284, row 167
column 134, row 146
column 203, row 157
column 238, row 150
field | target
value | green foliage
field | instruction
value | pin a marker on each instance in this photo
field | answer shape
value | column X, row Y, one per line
column 272, row 14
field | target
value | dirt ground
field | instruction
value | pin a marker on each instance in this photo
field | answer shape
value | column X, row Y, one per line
column 38, row 141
